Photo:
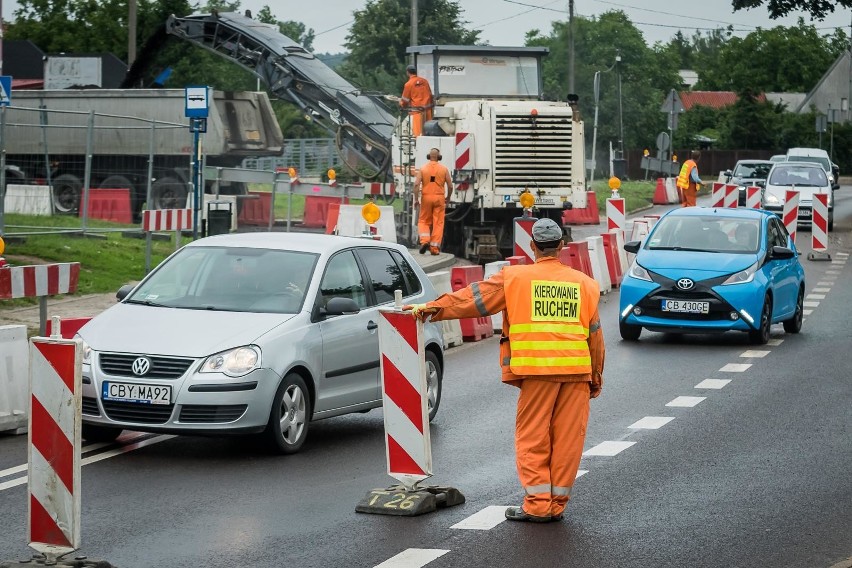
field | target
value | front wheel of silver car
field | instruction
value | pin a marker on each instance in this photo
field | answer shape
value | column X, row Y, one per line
column 434, row 381
column 92, row 433
column 290, row 416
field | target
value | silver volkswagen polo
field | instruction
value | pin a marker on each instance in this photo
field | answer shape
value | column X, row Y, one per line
column 250, row 333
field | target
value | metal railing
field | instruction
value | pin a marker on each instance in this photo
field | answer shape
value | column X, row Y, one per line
column 312, row 157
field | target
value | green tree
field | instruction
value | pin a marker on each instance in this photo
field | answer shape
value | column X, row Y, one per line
column 778, row 8
column 380, row 35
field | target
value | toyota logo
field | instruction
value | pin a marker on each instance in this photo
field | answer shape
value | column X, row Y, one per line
column 141, row 366
column 683, row 284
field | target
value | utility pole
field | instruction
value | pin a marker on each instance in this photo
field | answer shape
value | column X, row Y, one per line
column 414, row 17
column 571, row 47
column 131, row 32
column 1, row 37
column 620, row 121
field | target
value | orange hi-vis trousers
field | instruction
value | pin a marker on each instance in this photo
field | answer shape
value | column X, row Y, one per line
column 430, row 225
column 549, row 434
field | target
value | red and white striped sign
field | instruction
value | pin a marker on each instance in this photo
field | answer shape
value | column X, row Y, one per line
column 404, row 395
column 54, row 444
column 523, row 238
column 167, row 219
column 717, row 198
column 38, row 280
column 376, row 189
column 464, row 151
column 732, row 195
column 752, row 198
column 819, row 227
column 615, row 214
column 790, row 216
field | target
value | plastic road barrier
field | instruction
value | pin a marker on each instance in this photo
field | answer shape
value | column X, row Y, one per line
column 29, row 199
column 790, row 215
column 622, row 254
column 819, row 228
column 615, row 214
column 522, row 236
column 54, row 444
column 407, row 441
column 473, row 329
column 600, row 271
column 13, row 378
column 717, row 197
column 491, row 269
column 752, row 198
column 39, row 281
column 613, row 260
column 451, row 328
column 513, row 260
column 732, row 196
column 109, row 205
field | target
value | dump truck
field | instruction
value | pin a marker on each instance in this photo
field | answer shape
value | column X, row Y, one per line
column 47, row 135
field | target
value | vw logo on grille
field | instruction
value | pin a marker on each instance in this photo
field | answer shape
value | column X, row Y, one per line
column 141, row 366
column 683, row 284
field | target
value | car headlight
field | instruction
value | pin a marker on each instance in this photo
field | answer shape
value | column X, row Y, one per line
column 771, row 199
column 234, row 362
column 87, row 351
column 636, row 271
column 742, row 276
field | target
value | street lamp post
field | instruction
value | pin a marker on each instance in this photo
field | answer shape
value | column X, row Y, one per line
column 620, row 121
column 597, row 92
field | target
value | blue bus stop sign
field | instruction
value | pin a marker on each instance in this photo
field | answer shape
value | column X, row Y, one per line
column 197, row 102
column 5, row 90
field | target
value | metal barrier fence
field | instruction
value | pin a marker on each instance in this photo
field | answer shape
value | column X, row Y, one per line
column 312, row 157
column 63, row 162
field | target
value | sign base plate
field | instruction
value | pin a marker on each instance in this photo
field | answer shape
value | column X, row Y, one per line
column 400, row 502
column 817, row 255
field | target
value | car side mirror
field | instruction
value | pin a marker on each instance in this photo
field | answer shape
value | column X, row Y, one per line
column 633, row 246
column 124, row 291
column 760, row 183
column 729, row 173
column 781, row 253
column 339, row 307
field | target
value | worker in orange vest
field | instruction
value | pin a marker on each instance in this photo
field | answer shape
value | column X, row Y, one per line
column 430, row 181
column 552, row 348
column 417, row 97
column 688, row 181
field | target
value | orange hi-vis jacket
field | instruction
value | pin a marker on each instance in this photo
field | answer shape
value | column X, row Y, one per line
column 551, row 326
column 684, row 179
column 417, row 93
column 434, row 171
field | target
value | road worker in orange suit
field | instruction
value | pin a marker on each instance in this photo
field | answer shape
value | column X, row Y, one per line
column 688, row 181
column 552, row 348
column 430, row 184
column 417, row 96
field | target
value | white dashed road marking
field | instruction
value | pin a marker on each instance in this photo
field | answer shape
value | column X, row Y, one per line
column 735, row 368
column 686, row 401
column 651, row 422
column 832, row 272
column 775, row 342
column 610, row 448
column 754, row 353
column 483, row 520
column 413, row 558
column 823, row 290
column 815, row 296
column 843, row 254
column 828, row 284
column 807, row 312
column 712, row 383
column 811, row 304
column 581, row 473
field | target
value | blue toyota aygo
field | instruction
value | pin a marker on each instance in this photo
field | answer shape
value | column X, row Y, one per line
column 709, row 270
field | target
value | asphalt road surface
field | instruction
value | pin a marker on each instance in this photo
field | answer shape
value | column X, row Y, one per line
column 701, row 451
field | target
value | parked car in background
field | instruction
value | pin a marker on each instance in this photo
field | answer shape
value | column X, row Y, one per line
column 808, row 178
column 748, row 173
column 705, row 270
column 778, row 158
column 251, row 333
column 816, row 156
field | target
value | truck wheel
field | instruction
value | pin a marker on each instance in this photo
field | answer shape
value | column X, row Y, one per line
column 117, row 182
column 168, row 193
column 67, row 189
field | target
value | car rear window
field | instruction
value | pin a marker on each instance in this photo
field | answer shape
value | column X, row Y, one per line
column 798, row 175
column 826, row 165
column 752, row 171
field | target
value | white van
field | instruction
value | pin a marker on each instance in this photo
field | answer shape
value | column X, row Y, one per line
column 817, row 156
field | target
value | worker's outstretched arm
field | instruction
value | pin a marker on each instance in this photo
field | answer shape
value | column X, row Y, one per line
column 597, row 351
column 477, row 300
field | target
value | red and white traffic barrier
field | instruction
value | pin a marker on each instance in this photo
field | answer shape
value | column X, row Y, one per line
column 790, row 215
column 717, row 197
column 732, row 196
column 752, row 198
column 523, row 238
column 615, row 214
column 167, row 219
column 38, row 280
column 404, row 395
column 819, row 228
column 55, row 424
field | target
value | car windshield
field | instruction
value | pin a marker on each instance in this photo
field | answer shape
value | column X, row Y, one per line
column 798, row 175
column 824, row 162
column 752, row 170
column 230, row 279
column 706, row 233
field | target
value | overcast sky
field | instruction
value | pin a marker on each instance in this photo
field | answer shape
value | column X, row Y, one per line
column 505, row 22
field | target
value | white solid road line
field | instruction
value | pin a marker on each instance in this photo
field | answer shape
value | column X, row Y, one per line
column 483, row 520
column 754, row 353
column 712, row 383
column 651, row 422
column 686, row 401
column 609, row 448
column 97, row 457
column 413, row 558
column 735, row 368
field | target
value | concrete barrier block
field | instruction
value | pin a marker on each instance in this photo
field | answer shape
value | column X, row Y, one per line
column 29, row 200
column 14, row 378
